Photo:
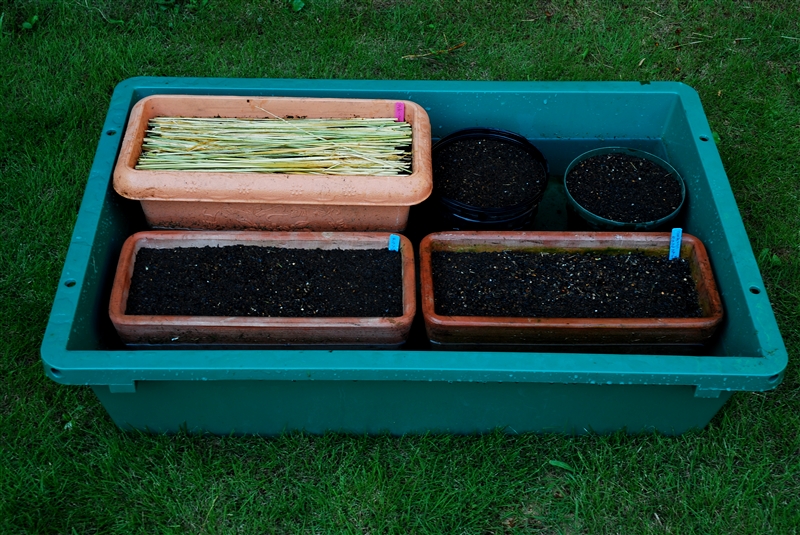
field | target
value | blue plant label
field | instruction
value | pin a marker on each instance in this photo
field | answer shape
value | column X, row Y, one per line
column 675, row 243
column 394, row 242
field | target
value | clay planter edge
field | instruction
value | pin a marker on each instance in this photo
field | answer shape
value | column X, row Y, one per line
column 273, row 201
column 564, row 331
column 381, row 331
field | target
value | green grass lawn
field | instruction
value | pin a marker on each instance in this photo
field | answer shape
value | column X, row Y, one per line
column 66, row 468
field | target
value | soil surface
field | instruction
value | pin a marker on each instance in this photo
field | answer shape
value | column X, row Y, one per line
column 624, row 188
column 563, row 285
column 243, row 280
column 487, row 173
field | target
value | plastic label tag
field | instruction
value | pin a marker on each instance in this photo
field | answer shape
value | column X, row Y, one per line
column 400, row 111
column 675, row 243
column 394, row 242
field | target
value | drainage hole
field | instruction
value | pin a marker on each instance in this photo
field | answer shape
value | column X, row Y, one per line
column 774, row 378
column 704, row 138
column 69, row 283
column 110, row 132
column 755, row 290
column 55, row 372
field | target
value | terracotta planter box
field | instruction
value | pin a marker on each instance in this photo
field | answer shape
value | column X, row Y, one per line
column 511, row 331
column 205, row 200
column 181, row 330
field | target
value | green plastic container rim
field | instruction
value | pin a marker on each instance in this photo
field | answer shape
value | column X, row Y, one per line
column 71, row 355
column 609, row 224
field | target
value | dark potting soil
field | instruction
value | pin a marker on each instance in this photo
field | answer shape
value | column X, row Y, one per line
column 487, row 173
column 563, row 285
column 243, row 280
column 624, row 188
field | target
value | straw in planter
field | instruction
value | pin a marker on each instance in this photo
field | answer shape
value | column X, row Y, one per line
column 361, row 146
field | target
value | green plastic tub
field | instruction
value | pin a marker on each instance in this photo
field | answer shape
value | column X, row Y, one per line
column 417, row 389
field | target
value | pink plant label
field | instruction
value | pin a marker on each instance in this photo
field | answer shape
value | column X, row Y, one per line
column 400, row 111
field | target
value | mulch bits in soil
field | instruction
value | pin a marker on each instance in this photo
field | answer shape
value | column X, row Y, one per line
column 624, row 188
column 563, row 285
column 245, row 280
column 487, row 173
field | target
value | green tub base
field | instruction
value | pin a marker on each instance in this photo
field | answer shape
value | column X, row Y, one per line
column 397, row 407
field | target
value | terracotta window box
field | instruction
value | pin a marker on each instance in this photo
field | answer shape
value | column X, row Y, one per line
column 205, row 200
column 311, row 331
column 509, row 332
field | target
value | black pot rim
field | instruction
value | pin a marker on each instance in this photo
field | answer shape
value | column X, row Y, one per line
column 510, row 219
column 499, row 135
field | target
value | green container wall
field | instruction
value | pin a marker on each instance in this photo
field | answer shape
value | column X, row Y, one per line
column 415, row 389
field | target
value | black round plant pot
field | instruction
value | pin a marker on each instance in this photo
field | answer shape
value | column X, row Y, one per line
column 487, row 179
column 611, row 183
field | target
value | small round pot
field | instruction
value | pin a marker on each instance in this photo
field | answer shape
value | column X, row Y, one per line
column 462, row 216
column 601, row 223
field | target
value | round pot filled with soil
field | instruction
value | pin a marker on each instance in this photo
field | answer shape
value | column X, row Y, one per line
column 618, row 188
column 487, row 179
